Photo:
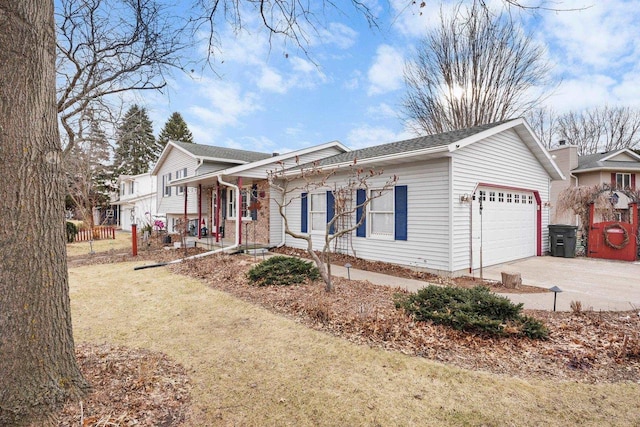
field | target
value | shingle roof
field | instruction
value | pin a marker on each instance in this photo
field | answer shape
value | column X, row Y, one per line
column 211, row 151
column 594, row 161
column 408, row 145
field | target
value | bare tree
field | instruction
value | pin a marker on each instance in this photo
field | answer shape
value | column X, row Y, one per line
column 88, row 171
column 476, row 68
column 38, row 370
column 544, row 122
column 600, row 129
column 292, row 184
column 107, row 47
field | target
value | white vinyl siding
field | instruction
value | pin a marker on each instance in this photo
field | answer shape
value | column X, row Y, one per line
column 427, row 218
column 176, row 160
column 499, row 160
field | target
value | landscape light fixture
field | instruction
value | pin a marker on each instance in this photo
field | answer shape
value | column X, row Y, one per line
column 555, row 291
column 348, row 267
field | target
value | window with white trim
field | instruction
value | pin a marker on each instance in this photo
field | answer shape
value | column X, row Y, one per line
column 181, row 174
column 318, row 212
column 232, row 203
column 623, row 180
column 381, row 213
column 166, row 190
column 132, row 187
column 123, row 188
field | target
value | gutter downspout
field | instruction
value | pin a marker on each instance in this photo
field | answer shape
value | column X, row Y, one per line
column 238, row 211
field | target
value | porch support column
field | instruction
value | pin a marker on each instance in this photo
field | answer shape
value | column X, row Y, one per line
column 239, row 211
column 186, row 225
column 217, row 212
column 199, row 211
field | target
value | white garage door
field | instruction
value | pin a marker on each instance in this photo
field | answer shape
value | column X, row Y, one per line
column 506, row 229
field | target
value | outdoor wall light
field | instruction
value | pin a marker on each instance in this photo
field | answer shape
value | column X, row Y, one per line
column 464, row 198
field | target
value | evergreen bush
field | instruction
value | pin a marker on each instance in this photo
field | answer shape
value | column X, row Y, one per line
column 72, row 232
column 281, row 270
column 475, row 310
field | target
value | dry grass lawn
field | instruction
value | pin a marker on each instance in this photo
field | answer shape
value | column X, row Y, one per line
column 121, row 242
column 250, row 367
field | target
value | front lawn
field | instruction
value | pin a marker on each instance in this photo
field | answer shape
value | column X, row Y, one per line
column 251, row 366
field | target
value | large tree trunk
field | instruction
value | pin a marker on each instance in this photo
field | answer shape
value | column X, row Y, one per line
column 38, row 370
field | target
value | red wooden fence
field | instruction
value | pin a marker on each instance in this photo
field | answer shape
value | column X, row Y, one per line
column 97, row 233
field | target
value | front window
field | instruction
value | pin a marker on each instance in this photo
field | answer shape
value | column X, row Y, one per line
column 181, row 174
column 318, row 212
column 381, row 213
column 623, row 180
column 122, row 189
column 232, row 203
column 166, row 190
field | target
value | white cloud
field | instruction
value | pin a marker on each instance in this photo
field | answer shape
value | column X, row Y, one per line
column 386, row 73
column 367, row 136
column 582, row 92
column 601, row 36
column 271, row 81
column 337, row 34
column 383, row 110
column 413, row 21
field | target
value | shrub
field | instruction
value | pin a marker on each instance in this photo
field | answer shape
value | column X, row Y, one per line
column 475, row 310
column 281, row 270
column 72, row 232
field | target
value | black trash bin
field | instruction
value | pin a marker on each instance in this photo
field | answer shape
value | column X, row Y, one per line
column 563, row 240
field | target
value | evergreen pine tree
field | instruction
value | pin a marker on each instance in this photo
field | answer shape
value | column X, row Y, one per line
column 136, row 149
column 89, row 180
column 175, row 130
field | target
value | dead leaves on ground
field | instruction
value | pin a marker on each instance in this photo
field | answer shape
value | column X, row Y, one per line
column 587, row 346
column 130, row 387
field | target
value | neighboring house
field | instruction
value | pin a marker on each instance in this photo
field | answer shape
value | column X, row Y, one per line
column 618, row 169
column 235, row 201
column 137, row 200
column 181, row 159
column 464, row 199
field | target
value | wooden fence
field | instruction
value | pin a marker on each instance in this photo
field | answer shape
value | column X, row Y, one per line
column 97, row 233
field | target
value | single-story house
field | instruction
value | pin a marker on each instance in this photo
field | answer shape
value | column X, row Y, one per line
column 463, row 199
column 618, row 169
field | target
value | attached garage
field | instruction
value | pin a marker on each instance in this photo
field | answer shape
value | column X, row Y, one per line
column 445, row 177
column 505, row 225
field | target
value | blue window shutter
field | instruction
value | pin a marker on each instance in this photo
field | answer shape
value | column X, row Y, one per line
column 361, row 197
column 305, row 213
column 331, row 209
column 254, row 201
column 401, row 212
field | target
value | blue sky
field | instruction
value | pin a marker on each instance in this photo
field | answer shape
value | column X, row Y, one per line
column 264, row 100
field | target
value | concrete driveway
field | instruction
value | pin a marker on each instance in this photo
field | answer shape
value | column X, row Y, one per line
column 599, row 284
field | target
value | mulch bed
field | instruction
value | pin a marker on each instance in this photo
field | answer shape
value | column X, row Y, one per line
column 584, row 346
column 409, row 273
